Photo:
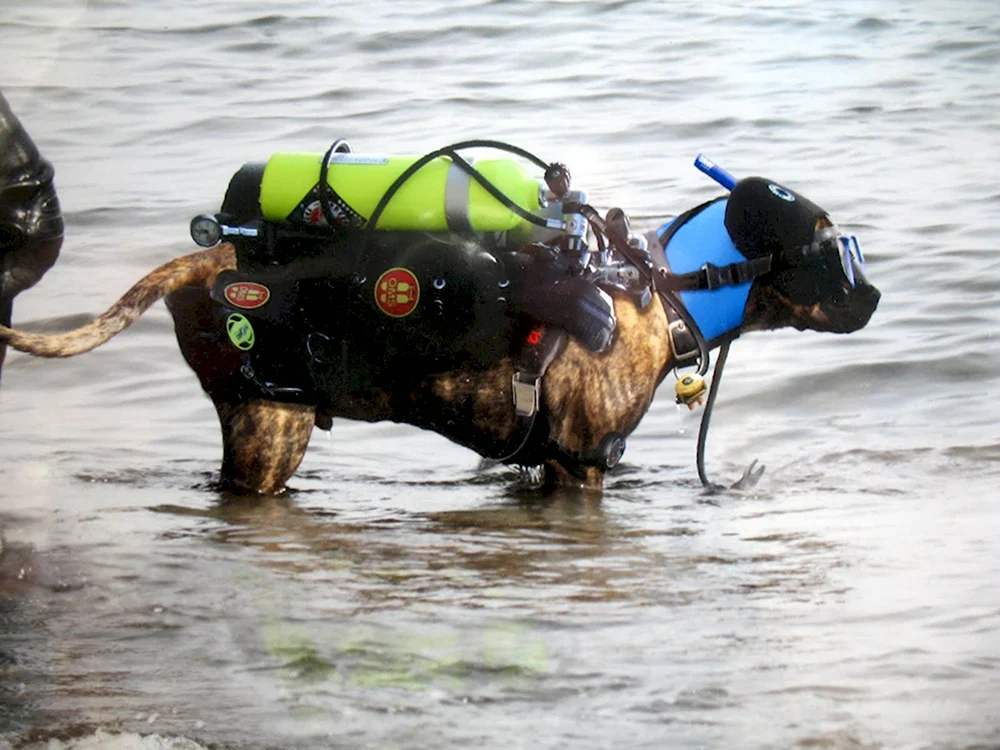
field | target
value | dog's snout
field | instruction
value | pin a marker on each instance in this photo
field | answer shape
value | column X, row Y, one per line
column 875, row 295
column 863, row 302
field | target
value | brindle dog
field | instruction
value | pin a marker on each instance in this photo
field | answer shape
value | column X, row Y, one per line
column 586, row 395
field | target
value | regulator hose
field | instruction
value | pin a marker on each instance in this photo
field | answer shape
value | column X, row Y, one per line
column 752, row 473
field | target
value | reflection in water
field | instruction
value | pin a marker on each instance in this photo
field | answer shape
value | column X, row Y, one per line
column 524, row 536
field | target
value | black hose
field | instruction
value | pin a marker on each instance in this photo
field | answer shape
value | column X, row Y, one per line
column 707, row 417
column 325, row 192
column 752, row 473
column 452, row 152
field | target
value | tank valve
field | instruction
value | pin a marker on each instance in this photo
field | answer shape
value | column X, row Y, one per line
column 557, row 177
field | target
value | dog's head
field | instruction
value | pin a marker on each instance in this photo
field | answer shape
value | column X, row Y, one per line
column 817, row 279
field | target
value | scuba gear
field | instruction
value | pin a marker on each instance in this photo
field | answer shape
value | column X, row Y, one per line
column 461, row 273
column 768, row 220
column 693, row 242
column 426, row 302
column 29, row 208
column 851, row 258
column 764, row 218
column 714, row 171
column 690, row 391
column 330, row 309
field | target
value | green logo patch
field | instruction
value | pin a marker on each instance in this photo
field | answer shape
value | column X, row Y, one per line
column 240, row 332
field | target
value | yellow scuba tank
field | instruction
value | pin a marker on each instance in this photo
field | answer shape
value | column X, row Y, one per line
column 438, row 197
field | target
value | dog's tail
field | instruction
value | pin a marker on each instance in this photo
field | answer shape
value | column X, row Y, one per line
column 196, row 269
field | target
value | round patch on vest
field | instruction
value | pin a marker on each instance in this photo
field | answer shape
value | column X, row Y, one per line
column 313, row 214
column 247, row 295
column 781, row 192
column 397, row 292
column 240, row 332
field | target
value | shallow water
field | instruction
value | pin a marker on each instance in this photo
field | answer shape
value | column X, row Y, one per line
column 400, row 595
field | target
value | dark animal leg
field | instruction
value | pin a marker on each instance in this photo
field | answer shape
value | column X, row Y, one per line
column 556, row 475
column 263, row 443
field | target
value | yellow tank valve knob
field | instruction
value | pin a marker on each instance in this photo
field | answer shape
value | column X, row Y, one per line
column 690, row 390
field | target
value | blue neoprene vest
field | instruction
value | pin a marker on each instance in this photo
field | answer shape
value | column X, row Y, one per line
column 704, row 239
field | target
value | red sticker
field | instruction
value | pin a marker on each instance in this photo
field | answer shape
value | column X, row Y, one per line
column 247, row 294
column 397, row 292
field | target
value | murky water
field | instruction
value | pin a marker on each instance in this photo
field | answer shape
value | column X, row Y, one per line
column 401, row 596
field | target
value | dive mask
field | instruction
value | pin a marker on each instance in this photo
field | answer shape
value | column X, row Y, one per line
column 830, row 243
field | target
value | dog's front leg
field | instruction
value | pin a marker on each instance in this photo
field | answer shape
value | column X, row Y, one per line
column 557, row 475
column 263, row 443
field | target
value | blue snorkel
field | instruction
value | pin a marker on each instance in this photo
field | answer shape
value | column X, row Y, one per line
column 714, row 171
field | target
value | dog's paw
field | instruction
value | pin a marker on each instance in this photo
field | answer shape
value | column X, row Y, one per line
column 750, row 477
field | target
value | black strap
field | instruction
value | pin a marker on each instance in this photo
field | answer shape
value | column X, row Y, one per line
column 605, row 456
column 683, row 341
column 329, row 199
column 542, row 345
column 710, row 276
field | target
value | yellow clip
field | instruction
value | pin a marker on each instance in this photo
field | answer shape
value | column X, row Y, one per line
column 690, row 390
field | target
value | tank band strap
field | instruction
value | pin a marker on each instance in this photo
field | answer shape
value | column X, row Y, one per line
column 456, row 198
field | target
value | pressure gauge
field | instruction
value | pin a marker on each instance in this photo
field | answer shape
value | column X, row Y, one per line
column 205, row 230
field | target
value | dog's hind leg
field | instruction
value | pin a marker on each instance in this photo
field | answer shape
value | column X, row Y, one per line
column 263, row 443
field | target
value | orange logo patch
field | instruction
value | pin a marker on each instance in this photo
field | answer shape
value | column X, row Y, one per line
column 397, row 292
column 247, row 295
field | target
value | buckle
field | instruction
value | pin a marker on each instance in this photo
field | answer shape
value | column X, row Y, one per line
column 683, row 345
column 525, row 395
column 716, row 277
